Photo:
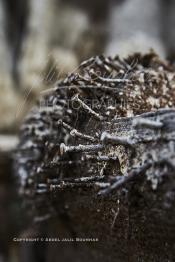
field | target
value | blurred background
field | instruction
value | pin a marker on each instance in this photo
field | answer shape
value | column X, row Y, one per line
column 43, row 40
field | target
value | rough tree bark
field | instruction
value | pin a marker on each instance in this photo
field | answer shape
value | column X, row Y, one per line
column 96, row 160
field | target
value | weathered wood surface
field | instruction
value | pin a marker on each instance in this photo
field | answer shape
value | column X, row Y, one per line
column 94, row 162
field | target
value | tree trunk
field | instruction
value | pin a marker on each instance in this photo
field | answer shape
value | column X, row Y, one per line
column 96, row 162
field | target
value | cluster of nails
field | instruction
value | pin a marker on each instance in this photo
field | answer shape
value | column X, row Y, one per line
column 112, row 76
column 106, row 139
